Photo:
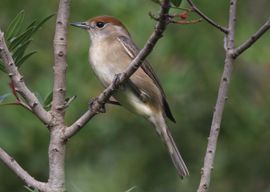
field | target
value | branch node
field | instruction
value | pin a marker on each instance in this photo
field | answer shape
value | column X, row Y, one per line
column 60, row 107
column 61, row 89
column 205, row 186
column 21, row 79
column 61, row 53
column 202, row 171
column 34, row 105
column 93, row 105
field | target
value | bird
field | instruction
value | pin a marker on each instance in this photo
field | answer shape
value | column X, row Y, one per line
column 111, row 51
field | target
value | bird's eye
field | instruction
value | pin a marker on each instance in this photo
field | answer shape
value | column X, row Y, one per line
column 100, row 24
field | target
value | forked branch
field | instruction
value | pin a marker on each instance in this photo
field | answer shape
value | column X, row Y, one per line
column 231, row 54
column 206, row 18
column 20, row 172
column 265, row 27
column 19, row 84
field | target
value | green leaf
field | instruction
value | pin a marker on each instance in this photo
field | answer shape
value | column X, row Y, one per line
column 24, row 58
column 69, row 100
column 28, row 33
column 131, row 189
column 39, row 25
column 30, row 189
column 48, row 100
column 31, row 24
column 21, row 38
column 15, row 25
column 20, row 50
column 176, row 3
column 3, row 97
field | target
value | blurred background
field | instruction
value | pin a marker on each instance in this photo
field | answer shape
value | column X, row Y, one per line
column 118, row 151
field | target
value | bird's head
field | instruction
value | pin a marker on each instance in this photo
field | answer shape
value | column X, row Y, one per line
column 102, row 26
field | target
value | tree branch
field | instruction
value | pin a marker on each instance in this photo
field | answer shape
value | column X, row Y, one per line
column 20, row 172
column 133, row 66
column 57, row 144
column 60, row 60
column 19, row 84
column 206, row 18
column 252, row 39
column 221, row 99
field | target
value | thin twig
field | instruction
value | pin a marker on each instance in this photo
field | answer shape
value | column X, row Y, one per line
column 19, row 84
column 206, row 18
column 134, row 65
column 20, row 172
column 252, row 39
column 185, row 22
column 221, row 99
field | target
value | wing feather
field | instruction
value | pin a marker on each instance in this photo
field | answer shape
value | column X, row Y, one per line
column 132, row 50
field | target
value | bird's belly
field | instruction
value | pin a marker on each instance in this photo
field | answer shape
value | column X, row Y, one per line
column 132, row 102
column 105, row 70
column 105, row 73
column 125, row 95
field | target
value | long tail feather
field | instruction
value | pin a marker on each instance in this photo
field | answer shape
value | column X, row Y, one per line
column 167, row 138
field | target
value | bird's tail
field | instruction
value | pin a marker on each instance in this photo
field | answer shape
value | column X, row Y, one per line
column 165, row 134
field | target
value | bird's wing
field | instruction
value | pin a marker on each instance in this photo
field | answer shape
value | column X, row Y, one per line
column 132, row 50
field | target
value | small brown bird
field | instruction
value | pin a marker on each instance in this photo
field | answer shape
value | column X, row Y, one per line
column 111, row 51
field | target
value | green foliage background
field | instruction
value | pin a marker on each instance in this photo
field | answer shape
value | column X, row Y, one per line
column 119, row 150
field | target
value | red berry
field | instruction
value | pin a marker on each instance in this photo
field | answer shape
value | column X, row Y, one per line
column 183, row 15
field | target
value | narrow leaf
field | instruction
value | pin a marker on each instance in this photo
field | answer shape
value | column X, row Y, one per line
column 31, row 24
column 24, row 58
column 176, row 3
column 20, row 50
column 48, row 100
column 131, row 189
column 69, row 100
column 15, row 25
column 39, row 25
column 30, row 190
column 31, row 29
column 21, row 38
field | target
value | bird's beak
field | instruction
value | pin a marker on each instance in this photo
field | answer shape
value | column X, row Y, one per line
column 82, row 25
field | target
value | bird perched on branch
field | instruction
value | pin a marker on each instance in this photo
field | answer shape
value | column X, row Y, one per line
column 111, row 51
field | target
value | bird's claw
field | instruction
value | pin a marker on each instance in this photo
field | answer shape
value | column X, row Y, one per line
column 101, row 109
column 116, row 80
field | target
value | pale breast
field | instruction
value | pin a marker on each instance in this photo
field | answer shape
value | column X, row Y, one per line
column 107, row 61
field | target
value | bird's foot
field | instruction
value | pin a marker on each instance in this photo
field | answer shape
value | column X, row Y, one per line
column 116, row 81
column 93, row 102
